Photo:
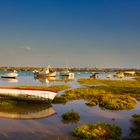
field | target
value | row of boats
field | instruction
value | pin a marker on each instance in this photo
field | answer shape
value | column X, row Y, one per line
column 115, row 74
column 46, row 72
column 49, row 72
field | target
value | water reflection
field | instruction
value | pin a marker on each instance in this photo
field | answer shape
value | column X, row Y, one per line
column 42, row 80
column 10, row 80
column 28, row 112
column 135, row 129
column 51, row 78
column 64, row 78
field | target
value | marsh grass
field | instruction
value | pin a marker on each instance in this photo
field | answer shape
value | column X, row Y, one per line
column 70, row 117
column 129, row 87
column 103, row 98
column 114, row 83
column 83, row 93
column 59, row 100
column 117, row 102
column 98, row 131
column 93, row 102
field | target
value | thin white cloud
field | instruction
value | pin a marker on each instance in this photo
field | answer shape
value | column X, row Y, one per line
column 26, row 48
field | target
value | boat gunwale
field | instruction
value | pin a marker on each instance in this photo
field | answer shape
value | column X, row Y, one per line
column 32, row 89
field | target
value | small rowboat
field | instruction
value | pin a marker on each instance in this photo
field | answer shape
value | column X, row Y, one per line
column 28, row 92
column 10, row 75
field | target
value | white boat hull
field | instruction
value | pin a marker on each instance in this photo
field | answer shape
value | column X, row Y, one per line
column 43, row 94
column 66, row 74
column 53, row 74
column 10, row 75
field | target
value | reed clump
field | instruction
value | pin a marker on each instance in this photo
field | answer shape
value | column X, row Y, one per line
column 117, row 102
column 104, row 98
column 59, row 100
column 70, row 117
column 93, row 102
column 98, row 131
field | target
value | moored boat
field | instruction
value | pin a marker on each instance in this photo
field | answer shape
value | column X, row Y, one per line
column 129, row 73
column 48, row 72
column 10, row 75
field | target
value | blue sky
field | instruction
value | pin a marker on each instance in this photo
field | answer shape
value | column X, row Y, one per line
column 78, row 33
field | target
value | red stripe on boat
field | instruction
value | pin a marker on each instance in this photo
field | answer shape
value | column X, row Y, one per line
column 26, row 89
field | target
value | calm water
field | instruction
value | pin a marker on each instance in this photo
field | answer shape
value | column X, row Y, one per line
column 42, row 122
column 27, row 78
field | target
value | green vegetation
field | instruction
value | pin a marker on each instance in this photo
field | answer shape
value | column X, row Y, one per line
column 117, row 102
column 104, row 98
column 114, row 95
column 93, row 102
column 59, row 100
column 70, row 117
column 83, row 93
column 111, row 83
column 98, row 131
column 129, row 87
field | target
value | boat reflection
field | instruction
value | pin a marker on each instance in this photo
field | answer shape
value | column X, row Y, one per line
column 9, row 80
column 27, row 113
column 42, row 80
column 45, row 80
column 65, row 78
column 51, row 78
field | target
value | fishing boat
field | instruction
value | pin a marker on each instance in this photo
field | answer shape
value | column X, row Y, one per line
column 47, row 72
column 129, row 73
column 29, row 93
column 10, row 75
